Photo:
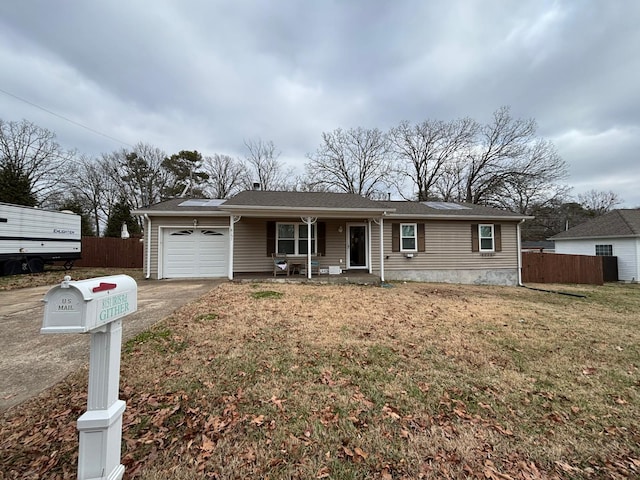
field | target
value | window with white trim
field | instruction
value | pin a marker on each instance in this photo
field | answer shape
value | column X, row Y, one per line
column 604, row 250
column 291, row 238
column 486, row 238
column 408, row 237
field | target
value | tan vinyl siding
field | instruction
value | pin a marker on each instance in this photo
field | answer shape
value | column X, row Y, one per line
column 336, row 244
column 172, row 222
column 250, row 244
column 375, row 245
column 448, row 246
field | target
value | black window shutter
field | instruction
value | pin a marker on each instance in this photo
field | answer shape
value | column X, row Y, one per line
column 421, row 239
column 497, row 233
column 475, row 242
column 322, row 238
column 395, row 237
column 271, row 238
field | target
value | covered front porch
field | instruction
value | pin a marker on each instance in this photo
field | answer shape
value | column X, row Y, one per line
column 309, row 246
column 338, row 231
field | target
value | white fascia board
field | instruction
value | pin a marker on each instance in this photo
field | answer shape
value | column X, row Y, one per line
column 601, row 237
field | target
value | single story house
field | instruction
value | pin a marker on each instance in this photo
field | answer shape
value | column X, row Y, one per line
column 541, row 246
column 616, row 233
column 396, row 240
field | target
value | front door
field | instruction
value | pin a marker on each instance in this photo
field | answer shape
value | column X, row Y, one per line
column 357, row 246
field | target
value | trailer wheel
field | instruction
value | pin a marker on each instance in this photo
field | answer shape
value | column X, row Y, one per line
column 12, row 267
column 36, row 265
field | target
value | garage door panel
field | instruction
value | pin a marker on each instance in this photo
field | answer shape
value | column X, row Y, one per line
column 195, row 253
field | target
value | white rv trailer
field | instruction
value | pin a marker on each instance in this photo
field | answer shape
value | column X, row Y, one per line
column 31, row 237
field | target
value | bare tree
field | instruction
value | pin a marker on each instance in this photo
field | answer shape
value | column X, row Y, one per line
column 92, row 184
column 449, row 186
column 226, row 175
column 139, row 174
column 425, row 150
column 599, row 202
column 32, row 154
column 303, row 184
column 500, row 146
column 533, row 179
column 353, row 161
column 262, row 166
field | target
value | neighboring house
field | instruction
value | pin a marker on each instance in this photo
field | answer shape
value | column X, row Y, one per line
column 616, row 233
column 396, row 240
column 541, row 246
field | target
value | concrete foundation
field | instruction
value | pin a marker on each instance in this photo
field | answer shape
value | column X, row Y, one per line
column 504, row 276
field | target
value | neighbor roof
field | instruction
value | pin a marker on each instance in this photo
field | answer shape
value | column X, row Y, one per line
column 617, row 223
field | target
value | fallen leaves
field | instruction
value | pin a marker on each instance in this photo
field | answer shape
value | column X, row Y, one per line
column 357, row 454
column 258, row 420
column 281, row 393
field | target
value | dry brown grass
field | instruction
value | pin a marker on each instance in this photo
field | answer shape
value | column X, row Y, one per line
column 415, row 381
column 54, row 274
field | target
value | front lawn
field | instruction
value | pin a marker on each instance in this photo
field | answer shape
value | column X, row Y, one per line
column 352, row 382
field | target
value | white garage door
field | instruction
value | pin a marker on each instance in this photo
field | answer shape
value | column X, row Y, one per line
column 195, row 252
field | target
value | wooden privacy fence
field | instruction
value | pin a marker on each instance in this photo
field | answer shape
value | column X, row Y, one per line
column 111, row 252
column 563, row 268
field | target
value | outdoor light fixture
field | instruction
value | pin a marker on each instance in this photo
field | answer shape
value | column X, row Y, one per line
column 340, row 229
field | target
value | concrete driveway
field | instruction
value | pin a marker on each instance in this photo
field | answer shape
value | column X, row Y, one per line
column 31, row 362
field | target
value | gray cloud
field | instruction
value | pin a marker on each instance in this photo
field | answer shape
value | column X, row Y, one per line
column 207, row 75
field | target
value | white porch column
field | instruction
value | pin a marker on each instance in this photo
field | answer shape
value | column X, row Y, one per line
column 232, row 221
column 309, row 221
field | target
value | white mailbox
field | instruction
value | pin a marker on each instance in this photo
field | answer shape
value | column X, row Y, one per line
column 96, row 306
column 84, row 305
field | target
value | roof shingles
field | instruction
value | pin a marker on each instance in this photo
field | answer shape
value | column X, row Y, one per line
column 617, row 223
column 329, row 201
column 462, row 210
column 252, row 198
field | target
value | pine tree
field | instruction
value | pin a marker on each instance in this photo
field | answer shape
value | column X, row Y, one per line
column 75, row 206
column 121, row 213
column 15, row 186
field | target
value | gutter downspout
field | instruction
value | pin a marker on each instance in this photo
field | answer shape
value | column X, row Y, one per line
column 382, row 249
column 369, row 259
column 148, row 248
column 519, row 253
column 231, row 237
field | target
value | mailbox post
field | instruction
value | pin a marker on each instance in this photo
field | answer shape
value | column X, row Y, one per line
column 96, row 306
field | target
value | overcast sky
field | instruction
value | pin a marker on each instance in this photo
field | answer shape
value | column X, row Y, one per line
column 206, row 75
